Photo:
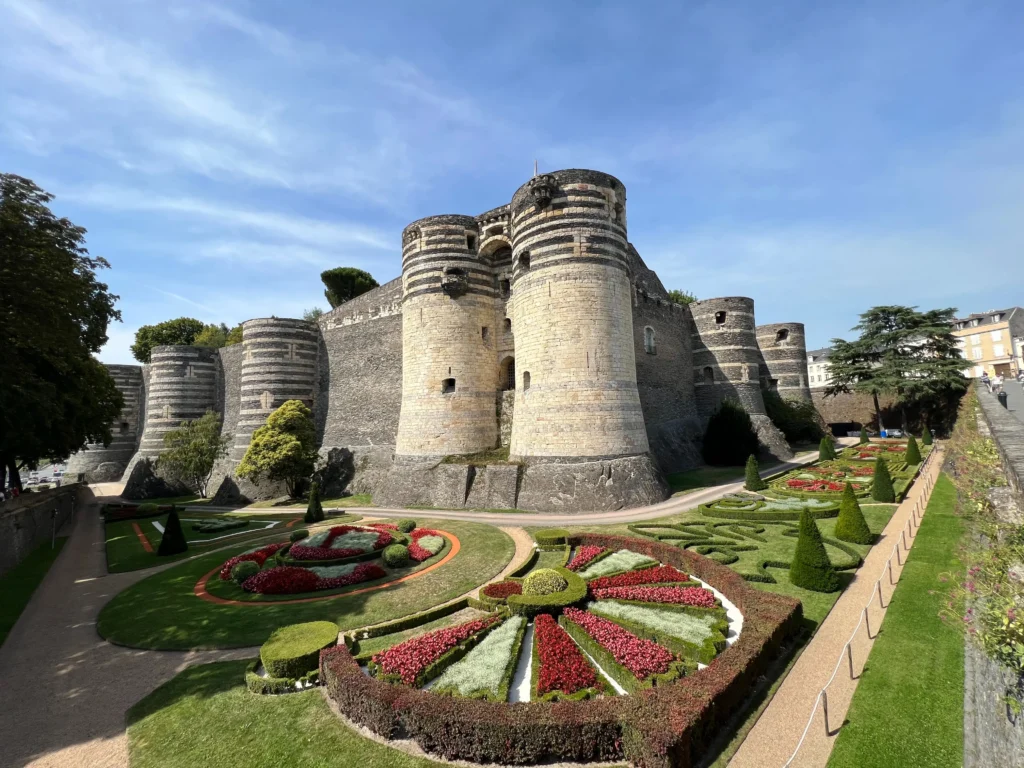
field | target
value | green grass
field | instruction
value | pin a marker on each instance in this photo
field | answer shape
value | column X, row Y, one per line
column 355, row 500
column 226, row 725
column 191, row 499
column 18, row 584
column 161, row 612
column 909, row 706
column 703, row 477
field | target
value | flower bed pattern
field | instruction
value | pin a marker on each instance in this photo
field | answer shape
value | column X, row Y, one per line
column 408, row 661
column 258, row 556
column 562, row 667
column 661, row 574
column 425, row 544
column 697, row 597
column 312, row 549
column 502, row 589
column 585, row 556
column 641, row 657
column 486, row 671
column 291, row 580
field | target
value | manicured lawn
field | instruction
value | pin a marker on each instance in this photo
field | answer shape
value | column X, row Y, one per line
column 703, row 477
column 206, row 716
column 161, row 611
column 355, row 500
column 909, row 705
column 191, row 499
column 18, row 584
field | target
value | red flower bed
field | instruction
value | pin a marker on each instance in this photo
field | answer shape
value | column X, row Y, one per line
column 641, row 657
column 409, row 659
column 363, row 572
column 896, row 448
column 502, row 589
column 324, row 551
column 562, row 664
column 660, row 574
column 864, row 472
column 384, row 526
column 695, row 596
column 416, row 552
column 286, row 580
column 814, row 485
column 259, row 557
column 584, row 556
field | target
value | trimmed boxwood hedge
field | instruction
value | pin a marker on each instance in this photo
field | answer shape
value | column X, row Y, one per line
column 666, row 726
column 548, row 537
column 294, row 651
column 275, row 685
column 529, row 605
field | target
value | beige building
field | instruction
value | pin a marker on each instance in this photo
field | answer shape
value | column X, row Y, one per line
column 991, row 342
column 817, row 368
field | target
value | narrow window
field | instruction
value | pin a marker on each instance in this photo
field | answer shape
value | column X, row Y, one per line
column 447, row 386
column 524, row 260
column 485, row 333
column 781, row 335
column 709, row 374
column 471, row 242
column 720, row 318
column 124, row 426
column 508, row 325
column 506, row 288
column 649, row 347
column 526, row 380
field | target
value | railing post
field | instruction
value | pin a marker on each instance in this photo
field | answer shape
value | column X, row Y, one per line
column 867, row 623
column 880, row 603
column 849, row 655
column 898, row 560
column 824, row 706
column 889, row 563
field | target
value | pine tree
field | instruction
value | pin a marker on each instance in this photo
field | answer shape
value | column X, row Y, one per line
column 811, row 568
column 173, row 541
column 881, row 488
column 851, row 525
column 315, row 511
column 913, row 455
column 826, row 449
column 926, row 436
column 754, row 481
column 864, row 436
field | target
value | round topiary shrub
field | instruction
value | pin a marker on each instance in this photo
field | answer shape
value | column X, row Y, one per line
column 544, row 581
column 146, row 509
column 406, row 526
column 294, row 651
column 550, row 536
column 298, row 535
column 396, row 556
column 244, row 570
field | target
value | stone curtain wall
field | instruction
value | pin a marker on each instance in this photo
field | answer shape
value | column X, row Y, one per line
column 99, row 463
column 785, row 359
column 853, row 408
column 28, row 521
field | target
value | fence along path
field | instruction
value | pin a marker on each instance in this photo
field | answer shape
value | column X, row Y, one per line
column 799, row 726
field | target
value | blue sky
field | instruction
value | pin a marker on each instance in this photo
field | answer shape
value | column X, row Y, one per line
column 819, row 157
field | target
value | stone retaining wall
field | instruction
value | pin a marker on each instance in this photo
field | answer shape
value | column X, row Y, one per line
column 28, row 521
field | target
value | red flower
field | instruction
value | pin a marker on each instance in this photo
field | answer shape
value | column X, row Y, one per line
column 362, row 572
column 864, row 472
column 416, row 552
column 584, row 556
column 502, row 589
column 641, row 657
column 286, row 580
column 301, row 551
column 259, row 557
column 695, row 596
column 562, row 665
column 383, row 526
column 409, row 659
column 661, row 574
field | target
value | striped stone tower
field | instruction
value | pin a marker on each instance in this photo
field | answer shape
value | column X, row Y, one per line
column 279, row 363
column 576, row 393
column 449, row 358
column 182, row 385
column 726, row 359
column 784, row 366
column 102, row 464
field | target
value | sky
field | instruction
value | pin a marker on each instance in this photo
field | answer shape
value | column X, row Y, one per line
column 820, row 157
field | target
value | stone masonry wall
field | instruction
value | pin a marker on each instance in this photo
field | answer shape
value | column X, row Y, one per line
column 853, row 408
column 30, row 520
column 784, row 359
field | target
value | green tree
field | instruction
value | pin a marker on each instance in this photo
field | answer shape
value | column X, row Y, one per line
column 312, row 315
column 315, row 510
column 864, row 440
column 926, row 436
column 799, row 422
column 913, row 455
column 215, row 336
column 851, row 525
column 282, row 449
column 881, row 487
column 182, row 330
column 173, row 541
column 729, row 437
column 345, row 283
column 191, row 451
column 54, row 313
column 234, row 336
column 826, row 449
column 903, row 352
column 681, row 297
column 811, row 569
column 754, row 481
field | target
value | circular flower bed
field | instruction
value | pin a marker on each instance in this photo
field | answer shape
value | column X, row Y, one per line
column 341, row 542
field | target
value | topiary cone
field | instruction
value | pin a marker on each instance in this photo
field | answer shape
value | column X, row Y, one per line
column 811, row 568
column 913, row 455
column 754, row 481
column 864, row 436
column 314, row 511
column 826, row 451
column 926, row 436
column 881, row 488
column 173, row 541
column 851, row 525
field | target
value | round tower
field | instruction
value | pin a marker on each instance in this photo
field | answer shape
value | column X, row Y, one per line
column 102, row 464
column 279, row 363
column 576, row 392
column 449, row 366
column 784, row 352
column 726, row 359
column 182, row 386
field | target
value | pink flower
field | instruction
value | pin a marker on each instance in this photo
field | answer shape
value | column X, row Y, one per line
column 584, row 556
column 641, row 657
column 695, row 596
column 407, row 660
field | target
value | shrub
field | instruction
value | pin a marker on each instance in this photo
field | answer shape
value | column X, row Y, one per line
column 294, row 651
column 298, row 535
column 243, row 570
column 729, row 438
column 575, row 591
column 811, row 568
column 396, row 556
column 315, row 510
column 798, row 422
column 258, row 556
column 826, row 449
column 550, row 536
column 851, row 525
column 544, row 581
column 926, row 436
column 881, row 488
column 863, row 436
column 173, row 541
column 754, row 481
column 913, row 454
column 407, row 526
column 147, row 509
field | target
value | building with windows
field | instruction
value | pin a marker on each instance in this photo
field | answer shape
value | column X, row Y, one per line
column 817, row 368
column 991, row 342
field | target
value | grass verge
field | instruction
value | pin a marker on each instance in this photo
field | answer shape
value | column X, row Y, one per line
column 18, row 584
column 909, row 706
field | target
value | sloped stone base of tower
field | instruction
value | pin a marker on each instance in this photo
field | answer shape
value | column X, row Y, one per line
column 602, row 485
column 771, row 438
column 145, row 482
column 676, row 445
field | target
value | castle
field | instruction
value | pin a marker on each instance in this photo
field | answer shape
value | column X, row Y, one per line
column 535, row 326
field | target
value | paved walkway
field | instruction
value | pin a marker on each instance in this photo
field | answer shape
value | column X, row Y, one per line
column 777, row 732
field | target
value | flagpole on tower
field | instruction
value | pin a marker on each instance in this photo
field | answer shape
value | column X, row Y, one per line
column 534, row 167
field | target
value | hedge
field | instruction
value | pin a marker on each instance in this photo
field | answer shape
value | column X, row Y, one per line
column 774, row 516
column 665, row 727
column 293, row 651
column 528, row 605
column 550, row 536
column 268, row 686
column 407, row 622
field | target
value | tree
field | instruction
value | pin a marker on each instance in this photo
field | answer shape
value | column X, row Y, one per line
column 215, row 336
column 729, row 437
column 799, row 422
column 881, row 487
column 826, row 449
column 811, row 568
column 754, row 481
column 926, row 436
column 913, row 455
column 315, row 510
column 864, row 436
column 345, row 283
column 312, row 315
column 681, row 297
column 851, row 525
column 182, row 330
column 173, row 541
column 282, row 449
column 234, row 336
column 54, row 313
column 901, row 351
column 191, row 451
